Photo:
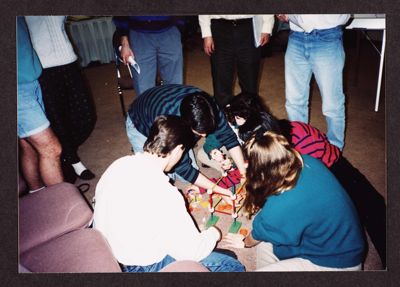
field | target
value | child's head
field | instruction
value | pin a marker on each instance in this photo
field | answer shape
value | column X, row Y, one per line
column 273, row 166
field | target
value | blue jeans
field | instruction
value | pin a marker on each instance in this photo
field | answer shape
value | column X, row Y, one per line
column 30, row 110
column 215, row 262
column 321, row 53
column 137, row 140
column 162, row 51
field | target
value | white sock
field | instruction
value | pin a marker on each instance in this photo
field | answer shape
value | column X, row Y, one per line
column 32, row 191
column 78, row 167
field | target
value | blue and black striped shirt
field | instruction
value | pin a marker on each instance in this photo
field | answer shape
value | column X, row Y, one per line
column 166, row 100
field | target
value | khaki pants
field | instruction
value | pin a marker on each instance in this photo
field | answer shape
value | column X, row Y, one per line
column 267, row 261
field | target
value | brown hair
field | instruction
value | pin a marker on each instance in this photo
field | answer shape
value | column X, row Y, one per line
column 273, row 166
column 166, row 133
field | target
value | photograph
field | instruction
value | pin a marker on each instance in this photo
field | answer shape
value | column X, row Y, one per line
column 187, row 144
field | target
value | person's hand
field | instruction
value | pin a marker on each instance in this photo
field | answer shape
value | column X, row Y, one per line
column 126, row 52
column 283, row 17
column 264, row 38
column 191, row 188
column 191, row 191
column 208, row 45
column 232, row 240
column 226, row 164
column 219, row 231
column 239, row 198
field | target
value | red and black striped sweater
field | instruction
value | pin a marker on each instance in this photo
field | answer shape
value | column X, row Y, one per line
column 309, row 140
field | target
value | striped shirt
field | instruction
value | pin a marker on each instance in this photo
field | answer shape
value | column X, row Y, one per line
column 309, row 140
column 166, row 100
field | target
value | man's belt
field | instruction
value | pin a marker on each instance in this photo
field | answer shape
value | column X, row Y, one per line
column 151, row 25
column 233, row 22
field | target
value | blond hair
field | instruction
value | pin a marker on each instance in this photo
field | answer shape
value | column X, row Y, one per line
column 273, row 167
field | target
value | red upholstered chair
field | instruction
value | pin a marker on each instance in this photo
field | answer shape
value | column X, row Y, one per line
column 50, row 213
column 83, row 250
column 53, row 233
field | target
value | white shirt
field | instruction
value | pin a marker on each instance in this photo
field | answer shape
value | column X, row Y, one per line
column 205, row 22
column 308, row 22
column 50, row 40
column 144, row 218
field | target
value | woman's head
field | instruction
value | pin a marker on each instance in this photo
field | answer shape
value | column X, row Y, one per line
column 273, row 166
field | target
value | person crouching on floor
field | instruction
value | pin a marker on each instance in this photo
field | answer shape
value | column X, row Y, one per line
column 304, row 219
column 144, row 218
column 251, row 116
column 200, row 112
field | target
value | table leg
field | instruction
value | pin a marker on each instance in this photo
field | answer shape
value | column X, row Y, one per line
column 378, row 89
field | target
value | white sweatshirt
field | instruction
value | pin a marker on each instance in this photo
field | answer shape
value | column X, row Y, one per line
column 144, row 218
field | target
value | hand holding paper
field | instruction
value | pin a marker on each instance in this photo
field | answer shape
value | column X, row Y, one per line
column 132, row 62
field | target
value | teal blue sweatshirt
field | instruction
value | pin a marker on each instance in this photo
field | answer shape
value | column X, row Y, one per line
column 315, row 220
column 29, row 67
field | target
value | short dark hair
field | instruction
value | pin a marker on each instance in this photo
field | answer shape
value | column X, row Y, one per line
column 200, row 112
column 166, row 133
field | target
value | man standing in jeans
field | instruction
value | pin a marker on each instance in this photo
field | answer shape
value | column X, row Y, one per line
column 316, row 47
column 155, row 43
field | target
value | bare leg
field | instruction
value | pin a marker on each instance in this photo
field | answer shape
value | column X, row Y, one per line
column 49, row 150
column 29, row 161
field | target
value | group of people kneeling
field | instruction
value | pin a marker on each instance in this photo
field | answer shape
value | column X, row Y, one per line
column 304, row 220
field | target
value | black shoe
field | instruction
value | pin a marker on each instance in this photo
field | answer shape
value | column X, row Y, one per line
column 86, row 175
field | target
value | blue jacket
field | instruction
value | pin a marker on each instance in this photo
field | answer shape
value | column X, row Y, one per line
column 28, row 63
column 316, row 220
column 166, row 100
